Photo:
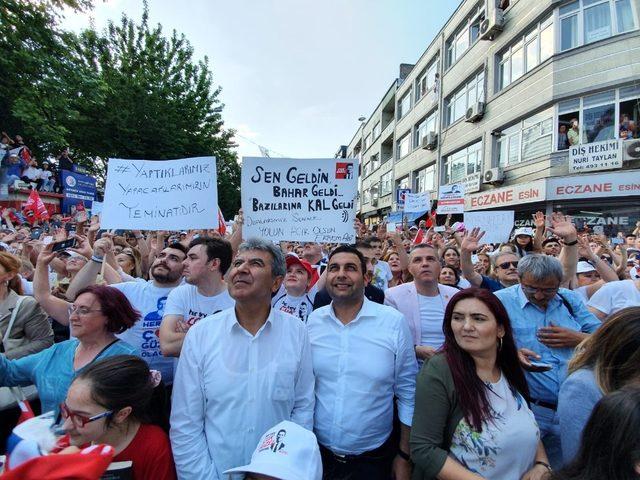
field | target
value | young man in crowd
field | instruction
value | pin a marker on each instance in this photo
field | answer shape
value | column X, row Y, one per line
column 241, row 371
column 203, row 294
column 148, row 297
column 363, row 358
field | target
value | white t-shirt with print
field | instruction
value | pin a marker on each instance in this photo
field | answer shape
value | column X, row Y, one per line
column 150, row 301
column 299, row 307
column 193, row 306
column 381, row 275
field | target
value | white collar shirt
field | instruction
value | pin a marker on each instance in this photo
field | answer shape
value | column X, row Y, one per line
column 230, row 387
column 359, row 368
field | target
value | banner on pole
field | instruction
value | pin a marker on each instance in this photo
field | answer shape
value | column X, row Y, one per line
column 160, row 195
column 310, row 200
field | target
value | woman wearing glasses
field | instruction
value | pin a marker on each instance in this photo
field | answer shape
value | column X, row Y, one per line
column 98, row 313
column 118, row 401
column 471, row 419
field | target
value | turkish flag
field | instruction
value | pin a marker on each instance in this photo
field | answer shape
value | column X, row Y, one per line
column 222, row 226
column 419, row 238
column 34, row 208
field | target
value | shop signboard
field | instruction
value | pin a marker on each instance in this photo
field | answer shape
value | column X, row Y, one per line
column 619, row 184
column 503, row 197
column 590, row 157
column 472, row 183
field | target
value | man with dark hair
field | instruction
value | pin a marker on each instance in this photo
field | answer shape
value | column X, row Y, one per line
column 372, row 292
column 240, row 371
column 362, row 357
column 149, row 298
column 203, row 294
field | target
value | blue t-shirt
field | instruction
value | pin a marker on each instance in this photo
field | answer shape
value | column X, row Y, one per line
column 51, row 370
column 491, row 284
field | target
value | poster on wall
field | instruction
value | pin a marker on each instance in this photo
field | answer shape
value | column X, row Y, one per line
column 592, row 157
column 451, row 199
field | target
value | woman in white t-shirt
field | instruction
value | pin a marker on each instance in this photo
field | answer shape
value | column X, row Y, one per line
column 295, row 296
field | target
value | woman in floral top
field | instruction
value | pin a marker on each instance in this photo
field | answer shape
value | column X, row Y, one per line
column 471, row 418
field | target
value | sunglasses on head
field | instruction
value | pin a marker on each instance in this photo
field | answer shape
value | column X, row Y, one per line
column 506, row 265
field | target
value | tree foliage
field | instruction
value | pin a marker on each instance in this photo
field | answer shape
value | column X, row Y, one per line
column 130, row 91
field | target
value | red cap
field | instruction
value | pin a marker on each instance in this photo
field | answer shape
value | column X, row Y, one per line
column 293, row 259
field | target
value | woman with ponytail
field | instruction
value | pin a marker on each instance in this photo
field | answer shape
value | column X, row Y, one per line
column 471, row 419
column 118, row 401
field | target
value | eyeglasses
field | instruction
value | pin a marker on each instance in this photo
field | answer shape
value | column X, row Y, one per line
column 506, row 265
column 533, row 290
column 81, row 311
column 81, row 420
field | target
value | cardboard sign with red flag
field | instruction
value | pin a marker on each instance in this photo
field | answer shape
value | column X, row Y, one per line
column 34, row 208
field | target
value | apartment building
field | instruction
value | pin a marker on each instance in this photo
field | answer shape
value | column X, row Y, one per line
column 496, row 101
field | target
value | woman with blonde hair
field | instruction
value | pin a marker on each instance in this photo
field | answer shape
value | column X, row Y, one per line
column 605, row 362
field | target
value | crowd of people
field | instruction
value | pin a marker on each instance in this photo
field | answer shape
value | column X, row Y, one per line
column 410, row 354
column 20, row 168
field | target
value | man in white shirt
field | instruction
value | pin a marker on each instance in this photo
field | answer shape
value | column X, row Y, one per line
column 204, row 294
column 423, row 301
column 240, row 371
column 362, row 357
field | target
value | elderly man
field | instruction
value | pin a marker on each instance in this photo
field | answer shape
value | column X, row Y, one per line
column 362, row 358
column 240, row 371
column 423, row 301
column 548, row 323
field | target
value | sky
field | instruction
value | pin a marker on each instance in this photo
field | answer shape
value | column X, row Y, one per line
column 295, row 74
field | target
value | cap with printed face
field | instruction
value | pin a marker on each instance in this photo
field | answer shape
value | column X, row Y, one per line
column 286, row 452
column 523, row 231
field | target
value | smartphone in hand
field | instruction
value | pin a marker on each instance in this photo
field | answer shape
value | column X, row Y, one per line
column 64, row 244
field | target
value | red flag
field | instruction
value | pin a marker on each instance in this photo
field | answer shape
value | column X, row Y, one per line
column 34, row 208
column 25, row 411
column 419, row 238
column 222, row 226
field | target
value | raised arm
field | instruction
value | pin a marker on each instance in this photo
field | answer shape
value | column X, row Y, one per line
column 470, row 243
column 87, row 275
column 538, row 237
column 562, row 227
column 55, row 307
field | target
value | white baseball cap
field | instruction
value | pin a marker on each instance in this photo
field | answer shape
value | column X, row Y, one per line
column 286, row 452
column 523, row 231
column 584, row 267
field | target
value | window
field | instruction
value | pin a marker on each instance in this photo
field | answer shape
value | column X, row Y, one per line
column 598, row 117
column 425, row 179
column 526, row 140
column 366, row 195
column 366, row 169
column 463, row 98
column 426, row 125
column 465, row 36
column 586, row 21
column 427, row 80
column 376, row 130
column 403, row 146
column 367, row 142
column 462, row 163
column 526, row 53
column 404, row 105
column 375, row 161
column 568, row 124
column 385, row 184
column 403, row 182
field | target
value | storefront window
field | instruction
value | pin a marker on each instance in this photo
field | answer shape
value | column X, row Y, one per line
column 614, row 216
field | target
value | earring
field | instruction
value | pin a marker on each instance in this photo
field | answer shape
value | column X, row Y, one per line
column 499, row 343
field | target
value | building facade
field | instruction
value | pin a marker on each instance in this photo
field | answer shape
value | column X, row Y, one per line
column 496, row 102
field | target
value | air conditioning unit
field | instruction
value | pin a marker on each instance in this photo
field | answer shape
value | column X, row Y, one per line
column 493, row 22
column 430, row 141
column 631, row 150
column 374, row 202
column 475, row 112
column 493, row 175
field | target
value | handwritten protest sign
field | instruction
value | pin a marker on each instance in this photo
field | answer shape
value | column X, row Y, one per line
column 161, row 195
column 309, row 200
column 417, row 202
column 451, row 199
column 96, row 208
column 497, row 224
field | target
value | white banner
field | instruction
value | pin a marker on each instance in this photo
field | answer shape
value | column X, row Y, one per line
column 96, row 208
column 450, row 199
column 310, row 200
column 161, row 194
column 496, row 223
column 592, row 157
column 417, row 202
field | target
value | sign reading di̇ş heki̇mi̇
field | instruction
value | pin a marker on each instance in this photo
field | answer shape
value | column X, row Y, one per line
column 590, row 157
column 309, row 200
column 161, row 194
